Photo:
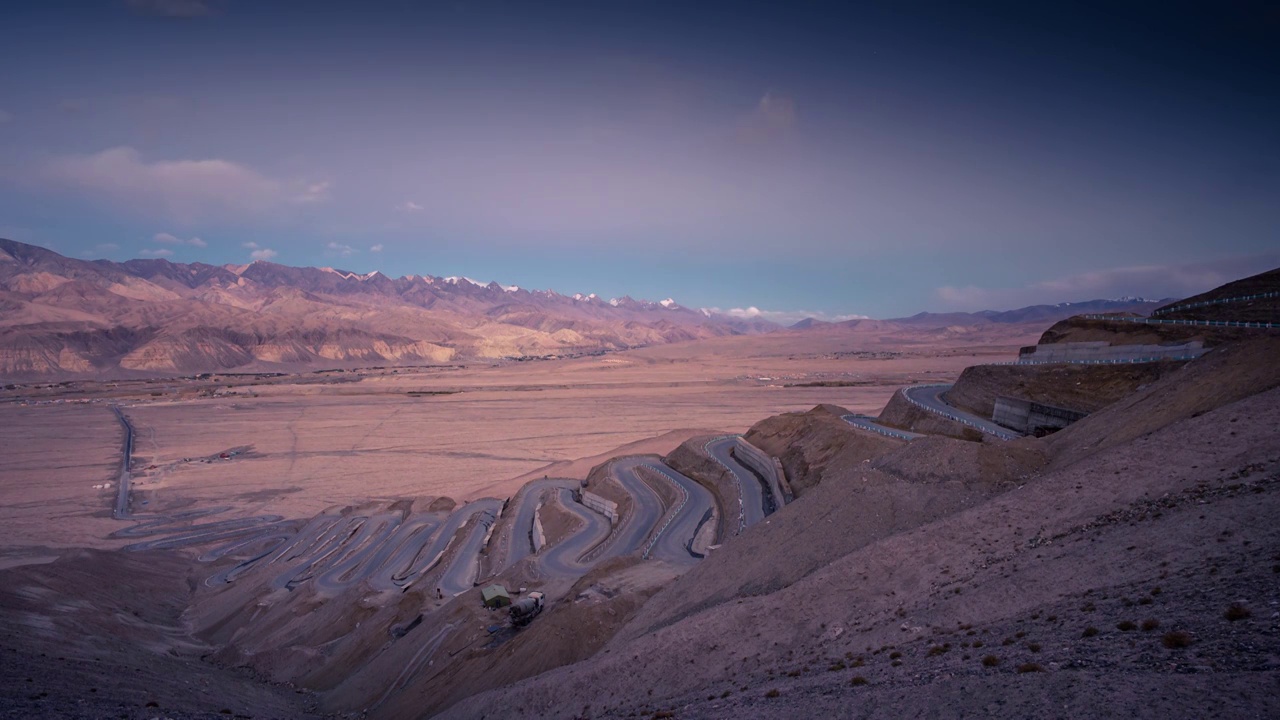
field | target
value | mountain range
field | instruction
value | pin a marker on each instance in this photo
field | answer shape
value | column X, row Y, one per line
column 68, row 318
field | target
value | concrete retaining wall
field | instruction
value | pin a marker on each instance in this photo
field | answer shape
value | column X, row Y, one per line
column 607, row 508
column 1104, row 352
column 770, row 468
column 537, row 536
column 1029, row 417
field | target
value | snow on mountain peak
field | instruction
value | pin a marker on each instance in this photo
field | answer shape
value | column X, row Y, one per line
column 668, row 303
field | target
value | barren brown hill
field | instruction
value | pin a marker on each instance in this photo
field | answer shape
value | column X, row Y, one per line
column 1133, row 574
column 71, row 318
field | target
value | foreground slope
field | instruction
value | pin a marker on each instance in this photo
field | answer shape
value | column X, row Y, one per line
column 1136, row 578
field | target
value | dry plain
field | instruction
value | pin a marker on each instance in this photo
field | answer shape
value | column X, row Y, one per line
column 306, row 442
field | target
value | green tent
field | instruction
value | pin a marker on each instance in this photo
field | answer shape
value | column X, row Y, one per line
column 495, row 596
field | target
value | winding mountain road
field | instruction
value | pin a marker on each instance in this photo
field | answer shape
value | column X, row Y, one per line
column 929, row 397
column 868, row 423
column 755, row 499
column 673, row 541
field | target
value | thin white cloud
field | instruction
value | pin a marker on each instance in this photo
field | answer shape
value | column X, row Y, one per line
column 336, row 249
column 263, row 254
column 783, row 317
column 156, row 252
column 375, row 248
column 314, row 193
column 1150, row 281
column 774, row 115
column 165, row 238
column 410, row 206
column 185, row 191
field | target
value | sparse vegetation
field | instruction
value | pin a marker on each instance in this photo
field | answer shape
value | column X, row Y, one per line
column 772, row 693
column 1176, row 639
column 1033, row 647
column 1150, row 624
column 837, row 665
column 895, row 655
column 990, row 661
column 1089, row 632
column 1237, row 611
column 1030, row 667
column 1126, row 626
column 858, row 680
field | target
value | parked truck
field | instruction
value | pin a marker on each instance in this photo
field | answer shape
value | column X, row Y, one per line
column 524, row 610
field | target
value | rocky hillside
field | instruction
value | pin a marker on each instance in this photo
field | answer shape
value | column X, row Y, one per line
column 1124, row 566
column 74, row 318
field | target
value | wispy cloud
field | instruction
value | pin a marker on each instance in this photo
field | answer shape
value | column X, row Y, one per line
column 410, row 206
column 336, row 249
column 774, row 115
column 165, row 238
column 314, row 193
column 156, row 252
column 375, row 248
column 184, row 191
column 259, row 252
column 1150, row 281
column 783, row 317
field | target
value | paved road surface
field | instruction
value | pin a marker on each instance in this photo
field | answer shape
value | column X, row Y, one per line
column 929, row 397
column 565, row 557
column 673, row 539
column 755, row 499
column 867, row 423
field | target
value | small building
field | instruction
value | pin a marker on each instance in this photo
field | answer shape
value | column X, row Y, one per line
column 495, row 596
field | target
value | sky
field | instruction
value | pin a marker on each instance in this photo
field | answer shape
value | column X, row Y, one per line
column 780, row 159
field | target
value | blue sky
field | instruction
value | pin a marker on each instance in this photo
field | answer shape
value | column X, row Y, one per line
column 800, row 158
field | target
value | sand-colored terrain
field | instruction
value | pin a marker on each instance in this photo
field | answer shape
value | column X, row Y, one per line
column 299, row 444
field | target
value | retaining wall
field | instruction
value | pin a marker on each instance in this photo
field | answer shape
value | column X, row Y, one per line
column 1104, row 352
column 607, row 508
column 1026, row 416
column 770, row 468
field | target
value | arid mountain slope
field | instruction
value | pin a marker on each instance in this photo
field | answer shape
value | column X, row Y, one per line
column 67, row 317
column 1102, row 582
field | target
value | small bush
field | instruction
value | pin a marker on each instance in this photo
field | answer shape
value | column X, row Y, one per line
column 1237, row 612
column 1125, row 626
column 895, row 655
column 858, row 662
column 990, row 661
column 1089, row 632
column 977, row 643
column 772, row 693
column 1030, row 668
column 1033, row 647
column 939, row 649
column 858, row 680
column 1150, row 624
column 1175, row 639
column 837, row 665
